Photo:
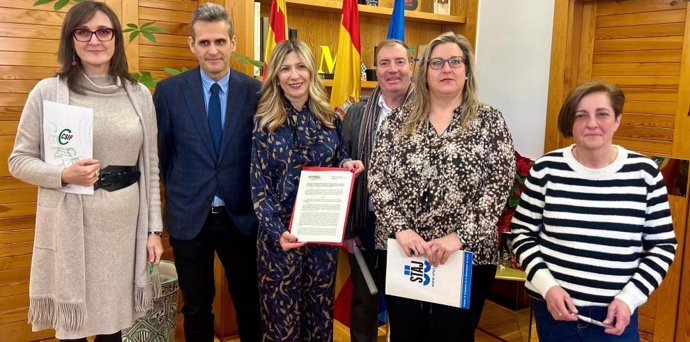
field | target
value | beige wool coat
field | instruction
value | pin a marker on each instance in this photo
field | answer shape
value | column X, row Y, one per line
column 56, row 291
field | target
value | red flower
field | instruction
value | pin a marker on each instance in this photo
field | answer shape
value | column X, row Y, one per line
column 522, row 164
column 522, row 167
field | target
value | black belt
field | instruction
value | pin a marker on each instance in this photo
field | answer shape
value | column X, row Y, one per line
column 217, row 209
column 115, row 177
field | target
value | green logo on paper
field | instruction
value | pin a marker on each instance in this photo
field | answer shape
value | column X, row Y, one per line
column 65, row 136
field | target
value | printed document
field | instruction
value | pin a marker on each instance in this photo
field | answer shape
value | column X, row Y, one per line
column 322, row 203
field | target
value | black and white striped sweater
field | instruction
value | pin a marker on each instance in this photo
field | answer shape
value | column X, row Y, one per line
column 598, row 233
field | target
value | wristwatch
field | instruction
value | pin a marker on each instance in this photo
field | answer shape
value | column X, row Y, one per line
column 156, row 233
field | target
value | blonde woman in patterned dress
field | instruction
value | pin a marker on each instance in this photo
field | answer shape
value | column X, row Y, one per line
column 294, row 127
column 440, row 175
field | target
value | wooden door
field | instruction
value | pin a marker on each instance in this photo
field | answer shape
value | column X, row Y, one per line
column 643, row 46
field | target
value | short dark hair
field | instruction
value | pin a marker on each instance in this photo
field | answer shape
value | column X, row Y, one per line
column 210, row 12
column 79, row 15
column 566, row 117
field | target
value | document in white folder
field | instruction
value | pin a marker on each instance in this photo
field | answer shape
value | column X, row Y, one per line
column 67, row 137
column 415, row 278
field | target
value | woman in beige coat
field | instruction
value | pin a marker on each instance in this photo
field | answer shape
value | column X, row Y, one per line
column 89, row 273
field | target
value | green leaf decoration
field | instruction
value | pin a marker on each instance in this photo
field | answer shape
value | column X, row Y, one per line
column 133, row 35
column 155, row 29
column 41, row 2
column 146, row 30
column 148, row 35
column 246, row 60
column 173, row 71
column 60, row 4
column 145, row 78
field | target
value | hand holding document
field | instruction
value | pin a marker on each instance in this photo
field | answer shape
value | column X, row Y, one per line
column 321, row 206
column 415, row 278
column 67, row 137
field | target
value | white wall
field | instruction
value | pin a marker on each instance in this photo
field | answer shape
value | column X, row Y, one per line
column 513, row 58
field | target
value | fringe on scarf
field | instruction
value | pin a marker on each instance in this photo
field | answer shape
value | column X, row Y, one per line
column 68, row 316
column 145, row 294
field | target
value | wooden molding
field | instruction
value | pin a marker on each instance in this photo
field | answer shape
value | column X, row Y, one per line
column 681, row 143
column 560, row 40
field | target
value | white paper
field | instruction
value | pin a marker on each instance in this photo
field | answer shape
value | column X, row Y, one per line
column 320, row 211
column 67, row 137
column 415, row 278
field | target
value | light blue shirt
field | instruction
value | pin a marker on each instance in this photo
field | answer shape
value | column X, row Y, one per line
column 206, row 83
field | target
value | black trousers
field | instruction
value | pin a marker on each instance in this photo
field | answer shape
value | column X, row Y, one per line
column 412, row 320
column 364, row 307
column 194, row 263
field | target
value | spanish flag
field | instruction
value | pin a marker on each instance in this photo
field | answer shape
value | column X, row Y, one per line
column 277, row 28
column 347, row 78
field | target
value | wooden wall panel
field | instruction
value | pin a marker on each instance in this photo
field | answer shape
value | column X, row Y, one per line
column 641, row 31
column 646, row 58
column 171, row 49
column 28, row 42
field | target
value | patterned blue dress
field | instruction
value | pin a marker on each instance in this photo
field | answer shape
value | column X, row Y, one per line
column 296, row 287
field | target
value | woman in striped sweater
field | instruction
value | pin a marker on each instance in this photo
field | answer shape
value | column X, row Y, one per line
column 593, row 230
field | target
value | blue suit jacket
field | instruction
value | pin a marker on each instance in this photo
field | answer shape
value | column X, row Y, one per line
column 189, row 167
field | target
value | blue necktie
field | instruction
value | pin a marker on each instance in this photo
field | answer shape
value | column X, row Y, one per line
column 214, row 119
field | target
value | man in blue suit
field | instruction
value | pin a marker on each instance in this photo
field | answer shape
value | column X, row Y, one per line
column 205, row 139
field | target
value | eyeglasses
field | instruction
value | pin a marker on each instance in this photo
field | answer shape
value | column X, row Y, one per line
column 102, row 34
column 453, row 62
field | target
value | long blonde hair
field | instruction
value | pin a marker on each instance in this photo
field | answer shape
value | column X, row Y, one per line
column 271, row 111
column 419, row 104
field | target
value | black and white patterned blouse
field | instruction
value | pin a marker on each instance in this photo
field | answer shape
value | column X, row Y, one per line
column 457, row 182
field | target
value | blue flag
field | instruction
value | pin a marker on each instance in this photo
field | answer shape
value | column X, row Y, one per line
column 396, row 29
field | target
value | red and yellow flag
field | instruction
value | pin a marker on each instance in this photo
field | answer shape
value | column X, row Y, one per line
column 277, row 27
column 347, row 78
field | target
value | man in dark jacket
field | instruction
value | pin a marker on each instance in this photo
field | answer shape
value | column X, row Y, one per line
column 393, row 70
column 205, row 122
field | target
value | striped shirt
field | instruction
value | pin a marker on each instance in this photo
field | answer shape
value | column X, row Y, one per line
column 598, row 233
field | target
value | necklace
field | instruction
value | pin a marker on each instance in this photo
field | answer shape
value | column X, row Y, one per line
column 613, row 154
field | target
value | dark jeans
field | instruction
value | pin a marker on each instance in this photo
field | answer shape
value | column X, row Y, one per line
column 413, row 320
column 194, row 263
column 364, row 310
column 551, row 330
column 116, row 337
